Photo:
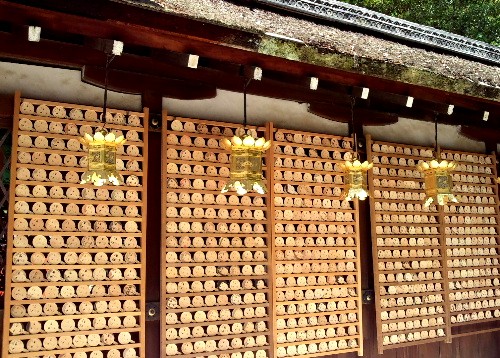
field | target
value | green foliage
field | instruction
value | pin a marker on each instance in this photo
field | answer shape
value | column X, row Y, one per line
column 476, row 19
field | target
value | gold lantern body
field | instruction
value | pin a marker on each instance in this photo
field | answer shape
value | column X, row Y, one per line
column 102, row 158
column 246, row 164
column 438, row 181
column 356, row 179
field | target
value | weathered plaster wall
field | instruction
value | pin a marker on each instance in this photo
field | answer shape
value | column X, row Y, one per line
column 66, row 86
column 409, row 131
column 228, row 107
column 58, row 85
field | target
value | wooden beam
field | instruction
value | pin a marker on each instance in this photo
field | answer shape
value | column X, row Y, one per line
column 77, row 56
column 49, row 52
column 364, row 116
column 474, row 133
column 184, row 35
column 135, row 83
column 426, row 111
column 153, row 101
column 173, row 58
column 141, row 69
column 402, row 101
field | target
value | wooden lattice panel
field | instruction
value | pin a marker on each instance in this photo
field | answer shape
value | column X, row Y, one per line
column 408, row 250
column 472, row 238
column 75, row 269
column 215, row 280
column 316, row 252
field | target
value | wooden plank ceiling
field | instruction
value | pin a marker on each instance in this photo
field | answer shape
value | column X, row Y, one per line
column 154, row 64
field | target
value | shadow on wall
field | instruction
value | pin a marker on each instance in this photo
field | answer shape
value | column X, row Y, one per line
column 228, row 107
column 60, row 85
column 409, row 131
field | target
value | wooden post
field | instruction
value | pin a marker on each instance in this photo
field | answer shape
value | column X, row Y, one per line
column 163, row 247
column 376, row 287
column 271, row 234
column 10, row 229
column 142, row 333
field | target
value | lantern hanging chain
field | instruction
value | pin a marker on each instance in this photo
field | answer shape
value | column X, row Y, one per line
column 436, row 135
column 353, row 103
column 245, row 103
column 109, row 59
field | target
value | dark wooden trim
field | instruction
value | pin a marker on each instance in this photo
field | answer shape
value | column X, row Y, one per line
column 135, row 83
column 139, row 27
column 6, row 111
column 139, row 74
column 363, row 116
column 474, row 133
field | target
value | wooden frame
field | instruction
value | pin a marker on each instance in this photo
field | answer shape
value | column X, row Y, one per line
column 144, row 227
column 447, row 222
column 470, row 168
column 393, row 338
column 234, row 287
column 272, row 264
column 163, row 299
column 195, row 129
column 53, row 119
column 301, row 147
column 10, row 230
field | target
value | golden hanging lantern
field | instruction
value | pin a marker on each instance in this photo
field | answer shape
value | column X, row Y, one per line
column 102, row 158
column 246, row 164
column 356, row 179
column 438, row 181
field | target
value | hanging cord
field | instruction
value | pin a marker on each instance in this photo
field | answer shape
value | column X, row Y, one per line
column 353, row 103
column 436, row 135
column 245, row 86
column 109, row 59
